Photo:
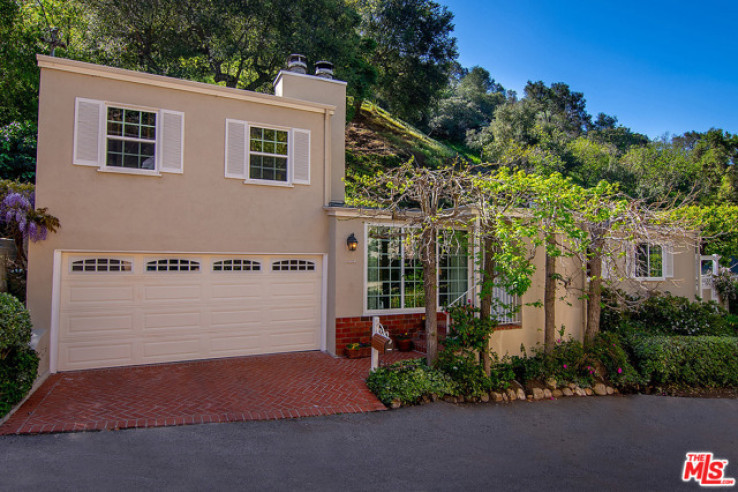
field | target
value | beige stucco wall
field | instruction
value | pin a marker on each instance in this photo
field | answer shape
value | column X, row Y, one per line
column 326, row 91
column 197, row 211
column 684, row 282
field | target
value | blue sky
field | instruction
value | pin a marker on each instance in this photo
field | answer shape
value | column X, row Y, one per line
column 660, row 67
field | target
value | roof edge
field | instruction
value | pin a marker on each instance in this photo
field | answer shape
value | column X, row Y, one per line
column 85, row 68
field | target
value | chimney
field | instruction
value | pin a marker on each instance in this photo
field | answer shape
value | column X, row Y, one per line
column 297, row 63
column 324, row 69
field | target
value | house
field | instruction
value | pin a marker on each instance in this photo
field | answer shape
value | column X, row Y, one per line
column 200, row 221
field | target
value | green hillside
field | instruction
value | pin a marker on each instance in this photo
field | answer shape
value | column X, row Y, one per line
column 376, row 140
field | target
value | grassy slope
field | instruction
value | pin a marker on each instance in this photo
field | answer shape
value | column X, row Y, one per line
column 376, row 141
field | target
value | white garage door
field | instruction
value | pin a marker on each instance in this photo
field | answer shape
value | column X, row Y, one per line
column 118, row 309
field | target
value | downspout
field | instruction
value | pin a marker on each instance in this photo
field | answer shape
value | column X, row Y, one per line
column 327, row 152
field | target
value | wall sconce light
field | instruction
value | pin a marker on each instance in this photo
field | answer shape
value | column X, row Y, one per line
column 352, row 243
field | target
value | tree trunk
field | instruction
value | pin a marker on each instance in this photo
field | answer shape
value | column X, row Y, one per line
column 549, row 300
column 485, row 311
column 430, row 288
column 594, row 298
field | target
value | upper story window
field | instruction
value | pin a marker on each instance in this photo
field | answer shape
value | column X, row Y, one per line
column 263, row 154
column 131, row 138
column 122, row 138
column 268, row 154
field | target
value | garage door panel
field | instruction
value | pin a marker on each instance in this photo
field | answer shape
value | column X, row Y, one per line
column 102, row 324
column 249, row 291
column 241, row 318
column 161, row 316
column 101, row 354
column 179, row 348
column 99, row 293
column 172, row 292
column 233, row 345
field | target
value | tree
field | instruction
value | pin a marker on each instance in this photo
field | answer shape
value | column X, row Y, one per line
column 241, row 44
column 468, row 106
column 429, row 202
column 414, row 53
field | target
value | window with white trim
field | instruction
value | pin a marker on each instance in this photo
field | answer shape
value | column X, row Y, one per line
column 101, row 265
column 268, row 154
column 123, row 138
column 264, row 154
column 395, row 272
column 648, row 261
column 172, row 265
column 293, row 265
column 236, row 265
column 131, row 138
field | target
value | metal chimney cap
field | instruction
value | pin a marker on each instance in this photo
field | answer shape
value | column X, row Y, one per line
column 297, row 63
column 324, row 69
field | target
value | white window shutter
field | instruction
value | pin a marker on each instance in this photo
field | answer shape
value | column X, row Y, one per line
column 668, row 257
column 605, row 267
column 236, row 150
column 301, row 156
column 171, row 141
column 630, row 262
column 89, row 141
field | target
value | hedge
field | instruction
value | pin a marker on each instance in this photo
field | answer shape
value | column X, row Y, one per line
column 707, row 361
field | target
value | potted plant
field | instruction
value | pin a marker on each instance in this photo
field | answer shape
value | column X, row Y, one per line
column 403, row 342
column 358, row 350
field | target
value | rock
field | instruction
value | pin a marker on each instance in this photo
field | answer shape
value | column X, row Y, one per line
column 434, row 397
column 396, row 404
column 572, row 386
column 579, row 391
column 521, row 394
column 449, row 399
column 529, row 398
column 495, row 396
column 551, row 384
column 537, row 394
column 600, row 389
column 505, row 398
column 547, row 394
column 615, row 391
column 485, row 398
column 588, row 391
column 567, row 392
column 460, row 399
column 511, row 394
column 609, row 390
column 557, row 393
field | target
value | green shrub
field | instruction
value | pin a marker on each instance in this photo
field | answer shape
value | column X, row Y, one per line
column 567, row 361
column 466, row 373
column 665, row 315
column 609, row 350
column 15, row 324
column 18, row 363
column 17, row 374
column 501, row 374
column 408, row 381
column 687, row 361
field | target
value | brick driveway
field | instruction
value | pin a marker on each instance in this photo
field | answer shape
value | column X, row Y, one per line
column 263, row 387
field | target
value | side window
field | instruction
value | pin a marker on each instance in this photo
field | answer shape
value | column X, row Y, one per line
column 118, row 137
column 260, row 154
column 131, row 138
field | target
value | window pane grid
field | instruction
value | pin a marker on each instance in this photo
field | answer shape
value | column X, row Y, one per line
column 236, row 266
column 293, row 265
column 649, row 262
column 172, row 265
column 268, row 154
column 131, row 138
column 101, row 265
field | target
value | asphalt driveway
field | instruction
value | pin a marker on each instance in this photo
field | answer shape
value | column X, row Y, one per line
column 609, row 443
